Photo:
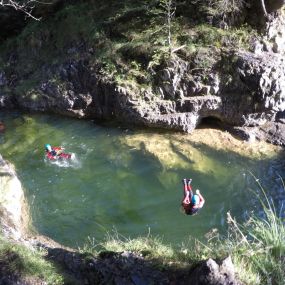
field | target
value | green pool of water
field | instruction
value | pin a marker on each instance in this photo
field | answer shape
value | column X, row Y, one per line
column 130, row 180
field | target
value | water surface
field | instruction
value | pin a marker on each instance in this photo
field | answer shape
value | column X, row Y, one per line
column 130, row 180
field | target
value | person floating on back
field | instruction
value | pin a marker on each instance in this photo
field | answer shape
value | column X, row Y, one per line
column 191, row 203
column 54, row 153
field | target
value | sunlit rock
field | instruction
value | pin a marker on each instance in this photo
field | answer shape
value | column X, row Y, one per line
column 12, row 202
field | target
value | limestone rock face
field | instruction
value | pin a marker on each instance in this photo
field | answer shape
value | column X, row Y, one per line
column 274, row 39
column 263, row 78
column 249, row 95
column 12, row 202
column 270, row 132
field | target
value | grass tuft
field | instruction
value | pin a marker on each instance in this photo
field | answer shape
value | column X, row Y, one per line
column 23, row 262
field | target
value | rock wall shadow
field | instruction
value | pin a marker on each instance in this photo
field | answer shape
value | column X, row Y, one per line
column 128, row 268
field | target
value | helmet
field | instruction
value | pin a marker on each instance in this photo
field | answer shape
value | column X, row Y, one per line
column 48, row 147
column 195, row 199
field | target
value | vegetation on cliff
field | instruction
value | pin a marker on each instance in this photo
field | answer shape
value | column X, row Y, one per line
column 127, row 40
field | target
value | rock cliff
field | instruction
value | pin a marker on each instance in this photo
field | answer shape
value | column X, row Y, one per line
column 13, row 209
column 243, row 90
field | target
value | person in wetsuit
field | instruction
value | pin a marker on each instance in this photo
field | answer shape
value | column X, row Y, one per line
column 191, row 203
column 54, row 151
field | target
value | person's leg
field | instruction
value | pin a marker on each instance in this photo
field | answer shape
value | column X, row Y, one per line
column 189, row 188
column 186, row 192
column 185, row 187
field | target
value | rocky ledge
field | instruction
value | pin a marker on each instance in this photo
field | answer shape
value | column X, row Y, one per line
column 252, row 106
column 119, row 268
column 248, row 101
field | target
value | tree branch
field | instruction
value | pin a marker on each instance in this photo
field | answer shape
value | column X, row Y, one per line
column 264, row 8
column 25, row 6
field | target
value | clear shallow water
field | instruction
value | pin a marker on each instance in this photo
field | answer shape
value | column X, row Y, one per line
column 131, row 180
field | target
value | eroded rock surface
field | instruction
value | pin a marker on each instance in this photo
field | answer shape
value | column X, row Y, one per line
column 12, row 202
column 211, row 272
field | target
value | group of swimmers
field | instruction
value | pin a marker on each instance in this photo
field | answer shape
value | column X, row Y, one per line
column 191, row 203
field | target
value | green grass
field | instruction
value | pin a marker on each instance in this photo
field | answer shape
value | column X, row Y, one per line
column 26, row 262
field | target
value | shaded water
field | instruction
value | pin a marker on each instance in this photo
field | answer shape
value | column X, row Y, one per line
column 131, row 180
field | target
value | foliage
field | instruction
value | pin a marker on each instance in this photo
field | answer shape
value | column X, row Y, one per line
column 168, row 10
column 151, row 247
column 128, row 42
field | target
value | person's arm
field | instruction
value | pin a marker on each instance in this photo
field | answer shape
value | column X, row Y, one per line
column 186, row 199
column 202, row 200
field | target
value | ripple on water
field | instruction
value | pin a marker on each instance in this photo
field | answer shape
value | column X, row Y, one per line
column 74, row 162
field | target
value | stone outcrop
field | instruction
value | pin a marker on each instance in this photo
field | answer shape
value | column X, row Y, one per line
column 211, row 272
column 274, row 39
column 13, row 208
column 270, row 132
column 251, row 94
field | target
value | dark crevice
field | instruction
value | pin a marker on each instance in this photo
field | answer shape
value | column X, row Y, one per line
column 213, row 123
